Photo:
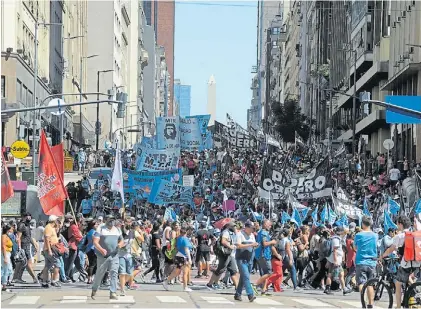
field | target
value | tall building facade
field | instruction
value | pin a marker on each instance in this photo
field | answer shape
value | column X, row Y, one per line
column 211, row 104
column 111, row 69
column 182, row 98
column 61, row 36
column 161, row 15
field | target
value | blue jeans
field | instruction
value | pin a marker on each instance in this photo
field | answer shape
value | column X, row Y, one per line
column 6, row 269
column 62, row 272
column 292, row 270
column 244, row 282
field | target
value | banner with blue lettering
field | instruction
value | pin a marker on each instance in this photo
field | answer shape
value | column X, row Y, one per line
column 157, row 160
column 166, row 192
column 139, row 184
column 168, row 132
column 191, row 136
column 203, row 126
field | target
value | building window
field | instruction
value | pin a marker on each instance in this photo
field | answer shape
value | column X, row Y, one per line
column 3, row 86
column 19, row 91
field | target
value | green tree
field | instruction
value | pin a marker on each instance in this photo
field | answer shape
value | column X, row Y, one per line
column 289, row 119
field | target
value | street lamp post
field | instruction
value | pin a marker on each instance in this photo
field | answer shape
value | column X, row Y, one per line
column 97, row 125
column 80, row 96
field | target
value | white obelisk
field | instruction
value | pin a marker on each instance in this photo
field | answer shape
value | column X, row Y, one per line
column 211, row 107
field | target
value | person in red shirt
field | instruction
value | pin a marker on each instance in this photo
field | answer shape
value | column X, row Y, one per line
column 350, row 258
column 74, row 237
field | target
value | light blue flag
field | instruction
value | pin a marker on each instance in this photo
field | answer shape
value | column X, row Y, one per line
column 417, row 208
column 388, row 222
column 203, row 126
column 365, row 208
column 257, row 216
column 296, row 217
column 168, row 132
column 342, row 221
column 394, row 207
column 331, row 216
column 147, row 142
column 303, row 213
column 314, row 216
column 324, row 214
column 285, row 217
column 170, row 215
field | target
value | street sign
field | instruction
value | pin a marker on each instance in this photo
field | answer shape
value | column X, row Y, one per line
column 61, row 108
column 388, row 144
column 20, row 149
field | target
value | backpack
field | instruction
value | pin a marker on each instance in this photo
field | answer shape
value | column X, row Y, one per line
column 220, row 249
column 327, row 246
column 412, row 246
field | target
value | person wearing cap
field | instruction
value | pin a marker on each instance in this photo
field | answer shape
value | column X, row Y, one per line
column 107, row 240
column 52, row 258
column 365, row 244
column 245, row 243
column 26, row 243
column 334, row 262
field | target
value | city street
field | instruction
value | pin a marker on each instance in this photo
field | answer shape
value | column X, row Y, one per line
column 154, row 296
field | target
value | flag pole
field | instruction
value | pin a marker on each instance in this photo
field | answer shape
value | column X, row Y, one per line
column 71, row 209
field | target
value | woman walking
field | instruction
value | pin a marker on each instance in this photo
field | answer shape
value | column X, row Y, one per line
column 6, row 250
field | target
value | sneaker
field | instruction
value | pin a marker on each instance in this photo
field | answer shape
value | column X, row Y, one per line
column 187, row 289
column 45, row 285
column 113, row 296
column 165, row 285
column 347, row 291
column 36, row 281
column 133, row 287
column 210, row 287
column 254, row 289
column 122, row 293
column 93, row 294
column 328, row 291
column 20, row 281
column 56, row 284
column 265, row 293
column 252, row 298
column 6, row 290
column 298, row 289
column 238, row 297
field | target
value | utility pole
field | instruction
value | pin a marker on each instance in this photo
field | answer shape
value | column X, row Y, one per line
column 98, row 124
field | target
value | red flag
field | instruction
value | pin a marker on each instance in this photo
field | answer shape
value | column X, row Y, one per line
column 58, row 155
column 6, row 185
column 51, row 191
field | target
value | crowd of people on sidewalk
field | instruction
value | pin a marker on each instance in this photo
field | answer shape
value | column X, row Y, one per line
column 140, row 241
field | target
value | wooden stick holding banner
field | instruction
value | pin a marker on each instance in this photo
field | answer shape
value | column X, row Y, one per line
column 71, row 209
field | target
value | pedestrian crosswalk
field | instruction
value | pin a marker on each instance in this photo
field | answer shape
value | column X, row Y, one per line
column 175, row 300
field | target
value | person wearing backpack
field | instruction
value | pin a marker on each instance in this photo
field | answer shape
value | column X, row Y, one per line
column 223, row 249
column 365, row 244
column 408, row 264
column 334, row 253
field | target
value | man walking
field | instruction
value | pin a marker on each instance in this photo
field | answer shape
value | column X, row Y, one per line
column 107, row 240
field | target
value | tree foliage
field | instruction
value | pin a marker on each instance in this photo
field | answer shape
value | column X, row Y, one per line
column 289, row 119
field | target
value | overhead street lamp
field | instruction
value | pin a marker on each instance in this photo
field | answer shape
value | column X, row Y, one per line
column 97, row 124
column 80, row 96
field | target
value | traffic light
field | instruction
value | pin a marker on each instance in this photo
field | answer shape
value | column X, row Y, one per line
column 121, row 108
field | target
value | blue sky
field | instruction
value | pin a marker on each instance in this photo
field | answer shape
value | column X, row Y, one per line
column 220, row 40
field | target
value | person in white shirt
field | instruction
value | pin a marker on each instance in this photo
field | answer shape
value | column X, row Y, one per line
column 394, row 175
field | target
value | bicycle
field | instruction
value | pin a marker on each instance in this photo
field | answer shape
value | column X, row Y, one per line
column 412, row 293
column 383, row 282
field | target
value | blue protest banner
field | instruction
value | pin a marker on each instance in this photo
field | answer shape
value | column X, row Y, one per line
column 203, row 126
column 396, row 116
column 191, row 136
column 148, row 142
column 168, row 132
column 140, row 184
column 157, row 160
column 166, row 192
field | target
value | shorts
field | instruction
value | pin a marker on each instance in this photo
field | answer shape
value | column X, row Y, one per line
column 202, row 256
column 265, row 266
column 331, row 268
column 226, row 263
column 364, row 273
column 125, row 266
column 180, row 261
column 137, row 262
column 52, row 261
column 28, row 252
column 403, row 274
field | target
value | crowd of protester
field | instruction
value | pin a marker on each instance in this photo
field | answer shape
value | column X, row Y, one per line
column 140, row 242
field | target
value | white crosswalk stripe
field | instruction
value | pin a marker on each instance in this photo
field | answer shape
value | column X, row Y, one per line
column 266, row 302
column 216, row 300
column 311, row 302
column 74, row 299
column 24, row 300
column 170, row 299
column 128, row 299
